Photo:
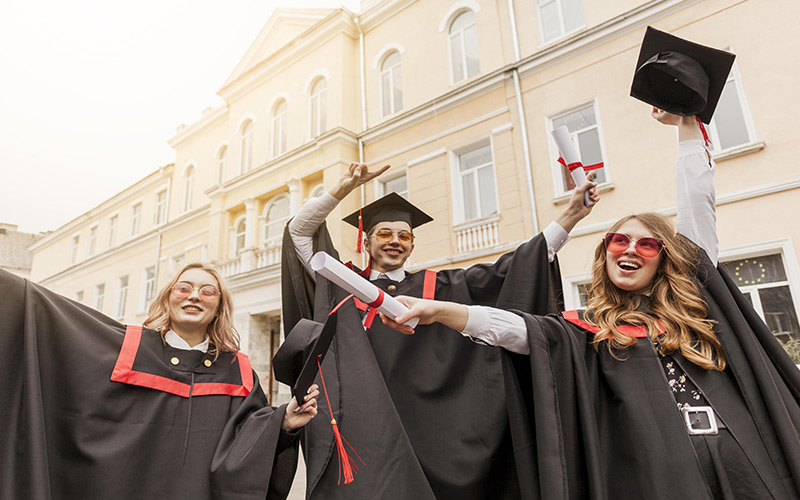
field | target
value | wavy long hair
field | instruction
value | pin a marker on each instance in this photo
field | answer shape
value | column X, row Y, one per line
column 223, row 337
column 675, row 300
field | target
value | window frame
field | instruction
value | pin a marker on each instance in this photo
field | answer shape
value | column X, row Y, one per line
column 136, row 219
column 92, row 241
column 393, row 107
column 266, row 242
column 246, row 131
column 380, row 186
column 188, row 188
column 99, row 296
column 450, row 55
column 459, row 212
column 235, row 250
column 280, row 121
column 319, row 126
column 121, row 296
column 563, row 33
column 160, row 213
column 113, row 222
column 148, row 288
column 752, row 138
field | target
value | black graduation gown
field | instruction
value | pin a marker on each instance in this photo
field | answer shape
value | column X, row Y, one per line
column 586, row 425
column 70, row 432
column 426, row 413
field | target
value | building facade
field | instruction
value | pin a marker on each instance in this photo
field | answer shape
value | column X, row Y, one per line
column 459, row 96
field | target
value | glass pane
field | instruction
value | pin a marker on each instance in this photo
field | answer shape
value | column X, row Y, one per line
column 386, row 85
column 468, row 187
column 573, row 14
column 397, row 82
column 589, row 142
column 397, row 185
column 779, row 313
column 729, row 118
column 323, row 111
column 314, row 116
column 551, row 26
column 577, row 120
column 471, row 48
column 748, row 297
column 583, row 294
column 488, row 194
column 457, row 57
column 391, row 60
column 758, row 270
column 475, row 159
column 464, row 19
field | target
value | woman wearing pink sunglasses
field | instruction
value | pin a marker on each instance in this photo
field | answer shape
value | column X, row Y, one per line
column 667, row 386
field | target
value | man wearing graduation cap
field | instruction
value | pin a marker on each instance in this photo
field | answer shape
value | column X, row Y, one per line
column 427, row 412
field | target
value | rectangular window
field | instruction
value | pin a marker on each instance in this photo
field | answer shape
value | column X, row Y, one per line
column 99, row 295
column 731, row 125
column 584, row 131
column 397, row 185
column 477, row 183
column 112, row 231
column 92, row 241
column 558, row 18
column 161, row 207
column 122, row 297
column 79, row 296
column 763, row 280
column 136, row 215
column 149, row 287
column 76, row 243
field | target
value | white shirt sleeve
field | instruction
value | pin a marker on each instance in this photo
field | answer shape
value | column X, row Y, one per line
column 496, row 327
column 303, row 226
column 694, row 178
column 556, row 237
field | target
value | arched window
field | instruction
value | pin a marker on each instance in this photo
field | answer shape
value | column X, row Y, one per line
column 275, row 216
column 247, row 146
column 188, row 187
column 392, row 84
column 279, row 117
column 319, row 92
column 239, row 232
column 222, row 160
column 463, row 38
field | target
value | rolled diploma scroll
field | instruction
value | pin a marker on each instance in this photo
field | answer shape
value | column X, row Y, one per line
column 570, row 155
column 362, row 289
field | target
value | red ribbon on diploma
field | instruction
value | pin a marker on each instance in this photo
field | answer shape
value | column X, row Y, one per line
column 577, row 164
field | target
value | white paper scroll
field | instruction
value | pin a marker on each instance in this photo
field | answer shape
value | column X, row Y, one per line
column 570, row 155
column 351, row 282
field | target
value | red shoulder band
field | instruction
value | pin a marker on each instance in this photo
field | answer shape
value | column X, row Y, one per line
column 123, row 372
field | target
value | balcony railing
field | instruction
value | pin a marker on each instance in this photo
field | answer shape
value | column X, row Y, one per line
column 477, row 235
column 252, row 259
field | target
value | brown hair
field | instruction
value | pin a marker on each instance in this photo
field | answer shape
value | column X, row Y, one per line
column 221, row 332
column 675, row 300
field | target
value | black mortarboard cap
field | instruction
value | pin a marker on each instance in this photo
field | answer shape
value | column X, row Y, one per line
column 391, row 207
column 681, row 77
column 295, row 363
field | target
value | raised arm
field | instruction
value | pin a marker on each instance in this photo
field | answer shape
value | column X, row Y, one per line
column 694, row 180
column 303, row 226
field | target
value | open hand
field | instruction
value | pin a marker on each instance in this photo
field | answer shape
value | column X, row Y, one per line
column 298, row 416
column 355, row 175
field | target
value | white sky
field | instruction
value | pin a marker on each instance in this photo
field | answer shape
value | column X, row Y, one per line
column 91, row 90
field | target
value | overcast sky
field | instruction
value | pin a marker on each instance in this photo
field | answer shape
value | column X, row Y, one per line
column 91, row 90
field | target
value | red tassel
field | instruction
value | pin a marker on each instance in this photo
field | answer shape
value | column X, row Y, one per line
column 347, row 466
column 360, row 232
column 706, row 140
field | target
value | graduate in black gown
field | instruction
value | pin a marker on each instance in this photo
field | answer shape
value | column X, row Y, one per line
column 92, row 409
column 426, row 414
column 668, row 386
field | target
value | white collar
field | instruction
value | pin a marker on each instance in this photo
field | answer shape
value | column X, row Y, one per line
column 176, row 341
column 396, row 275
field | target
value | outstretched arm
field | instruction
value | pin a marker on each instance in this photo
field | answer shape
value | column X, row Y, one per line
column 486, row 325
column 694, row 179
column 303, row 226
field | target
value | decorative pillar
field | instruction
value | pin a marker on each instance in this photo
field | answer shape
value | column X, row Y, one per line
column 295, row 198
column 248, row 256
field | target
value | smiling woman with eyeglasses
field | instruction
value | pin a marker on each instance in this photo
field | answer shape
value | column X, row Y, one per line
column 667, row 386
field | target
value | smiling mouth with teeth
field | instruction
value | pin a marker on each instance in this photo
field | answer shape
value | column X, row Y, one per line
column 629, row 265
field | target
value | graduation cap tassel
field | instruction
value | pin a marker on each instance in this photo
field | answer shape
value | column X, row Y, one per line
column 360, row 233
column 347, row 466
column 706, row 140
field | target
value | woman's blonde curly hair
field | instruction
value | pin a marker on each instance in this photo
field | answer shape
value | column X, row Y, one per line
column 221, row 332
column 675, row 300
